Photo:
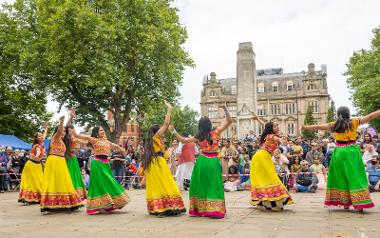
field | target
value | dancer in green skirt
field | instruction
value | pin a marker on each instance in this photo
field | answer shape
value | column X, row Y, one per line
column 347, row 182
column 206, row 184
column 72, row 146
column 104, row 193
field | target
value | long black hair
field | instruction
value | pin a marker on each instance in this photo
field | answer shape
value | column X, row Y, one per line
column 343, row 121
column 268, row 129
column 95, row 132
column 67, row 139
column 35, row 139
column 204, row 129
column 149, row 153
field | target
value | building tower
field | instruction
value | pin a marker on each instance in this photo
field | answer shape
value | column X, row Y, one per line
column 246, row 89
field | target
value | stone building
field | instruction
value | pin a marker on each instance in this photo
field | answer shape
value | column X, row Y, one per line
column 273, row 94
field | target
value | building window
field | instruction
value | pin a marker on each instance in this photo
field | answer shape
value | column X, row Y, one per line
column 261, row 128
column 291, row 128
column 212, row 93
column 290, row 86
column 261, row 111
column 275, row 109
column 275, row 87
column 314, row 106
column 311, row 86
column 212, row 112
column 260, row 88
column 290, row 108
column 232, row 110
column 233, row 89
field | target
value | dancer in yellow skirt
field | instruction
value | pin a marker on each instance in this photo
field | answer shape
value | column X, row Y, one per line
column 58, row 192
column 162, row 193
column 267, row 189
column 32, row 175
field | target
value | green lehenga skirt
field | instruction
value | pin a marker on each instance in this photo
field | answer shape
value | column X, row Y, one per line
column 206, row 188
column 347, row 182
column 76, row 177
column 104, row 192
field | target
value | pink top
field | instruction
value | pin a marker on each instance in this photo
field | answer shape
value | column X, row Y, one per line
column 206, row 147
column 270, row 144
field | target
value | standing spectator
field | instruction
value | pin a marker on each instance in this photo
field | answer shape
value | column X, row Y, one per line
column 314, row 153
column 306, row 181
column 373, row 170
column 118, row 166
column 172, row 160
column 3, row 168
column 284, row 145
column 367, row 141
column 305, row 146
column 86, row 178
column 281, row 165
column 186, row 157
column 228, row 154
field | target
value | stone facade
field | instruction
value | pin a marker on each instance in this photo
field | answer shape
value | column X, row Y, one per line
column 273, row 94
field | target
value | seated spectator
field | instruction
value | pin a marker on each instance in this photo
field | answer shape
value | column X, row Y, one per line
column 281, row 165
column 373, row 170
column 321, row 173
column 369, row 152
column 315, row 152
column 294, row 169
column 306, row 181
column 233, row 179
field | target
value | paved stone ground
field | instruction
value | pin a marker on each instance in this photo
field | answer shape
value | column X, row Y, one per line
column 307, row 218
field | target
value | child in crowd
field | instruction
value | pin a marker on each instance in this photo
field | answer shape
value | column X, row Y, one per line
column 233, row 180
column 320, row 171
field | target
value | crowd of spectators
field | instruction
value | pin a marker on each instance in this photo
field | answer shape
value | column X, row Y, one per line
column 301, row 164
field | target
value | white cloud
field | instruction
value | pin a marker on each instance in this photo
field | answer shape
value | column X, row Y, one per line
column 287, row 34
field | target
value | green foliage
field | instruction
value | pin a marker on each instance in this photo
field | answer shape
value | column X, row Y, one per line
column 309, row 120
column 103, row 55
column 331, row 113
column 363, row 71
column 184, row 119
column 22, row 99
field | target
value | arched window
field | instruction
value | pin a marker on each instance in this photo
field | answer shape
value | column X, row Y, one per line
column 290, row 86
column 275, row 87
column 260, row 88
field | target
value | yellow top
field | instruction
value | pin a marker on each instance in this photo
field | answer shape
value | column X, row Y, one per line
column 349, row 135
column 158, row 146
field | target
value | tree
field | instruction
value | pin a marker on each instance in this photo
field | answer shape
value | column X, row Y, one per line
column 331, row 113
column 104, row 55
column 184, row 119
column 309, row 120
column 22, row 101
column 363, row 71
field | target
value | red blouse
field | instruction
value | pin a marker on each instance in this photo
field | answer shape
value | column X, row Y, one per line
column 34, row 152
column 206, row 147
column 270, row 144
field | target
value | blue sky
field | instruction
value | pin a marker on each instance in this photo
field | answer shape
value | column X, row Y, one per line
column 288, row 34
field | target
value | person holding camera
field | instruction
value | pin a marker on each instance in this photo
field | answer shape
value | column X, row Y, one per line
column 306, row 180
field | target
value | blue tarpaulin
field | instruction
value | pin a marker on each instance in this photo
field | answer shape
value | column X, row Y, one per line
column 14, row 142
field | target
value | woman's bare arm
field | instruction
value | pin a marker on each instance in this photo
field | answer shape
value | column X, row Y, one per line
column 163, row 128
column 46, row 127
column 370, row 116
column 180, row 138
column 324, row 127
column 255, row 117
column 229, row 120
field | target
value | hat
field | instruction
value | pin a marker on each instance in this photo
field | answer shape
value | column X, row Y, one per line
column 117, row 154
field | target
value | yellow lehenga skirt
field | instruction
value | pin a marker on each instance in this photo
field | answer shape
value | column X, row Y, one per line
column 162, row 193
column 58, row 192
column 31, row 183
column 266, row 188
